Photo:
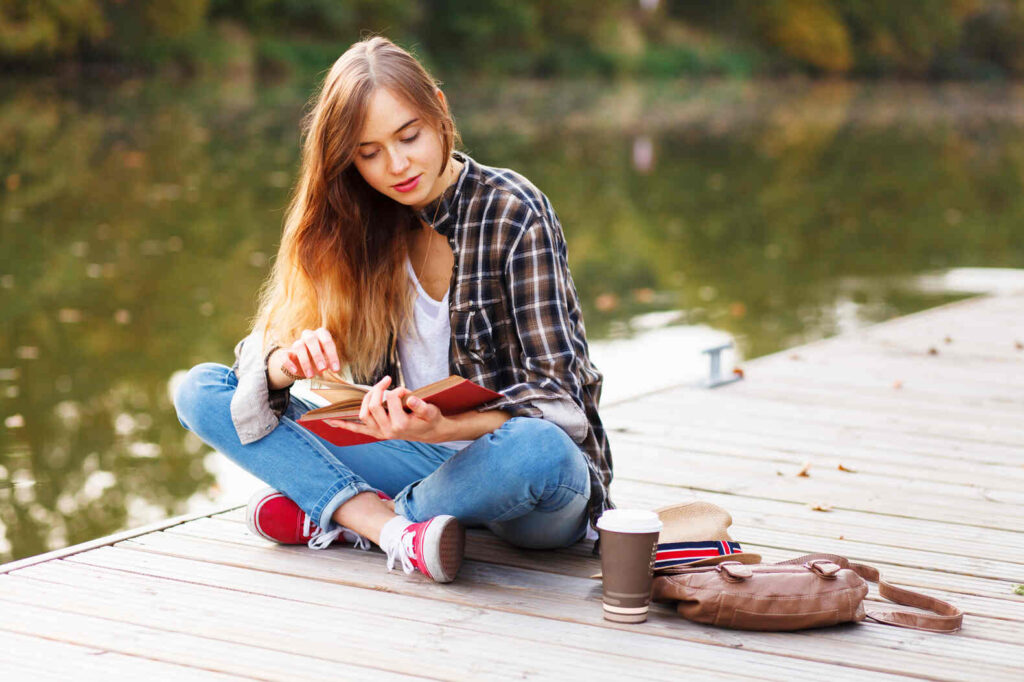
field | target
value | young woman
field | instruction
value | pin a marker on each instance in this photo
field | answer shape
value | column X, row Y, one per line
column 402, row 262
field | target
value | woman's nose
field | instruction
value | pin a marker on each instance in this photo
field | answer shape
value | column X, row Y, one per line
column 398, row 162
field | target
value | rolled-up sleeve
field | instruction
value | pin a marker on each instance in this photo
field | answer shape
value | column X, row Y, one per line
column 255, row 408
column 537, row 273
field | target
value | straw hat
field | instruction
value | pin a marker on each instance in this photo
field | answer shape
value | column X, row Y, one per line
column 694, row 534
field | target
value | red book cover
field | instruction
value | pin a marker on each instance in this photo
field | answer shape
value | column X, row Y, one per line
column 452, row 395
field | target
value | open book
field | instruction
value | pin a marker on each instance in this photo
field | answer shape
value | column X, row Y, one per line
column 452, row 395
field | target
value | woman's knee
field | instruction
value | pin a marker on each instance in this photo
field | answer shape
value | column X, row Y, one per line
column 539, row 529
column 542, row 446
column 202, row 390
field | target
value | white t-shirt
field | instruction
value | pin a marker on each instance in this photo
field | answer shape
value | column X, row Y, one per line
column 424, row 358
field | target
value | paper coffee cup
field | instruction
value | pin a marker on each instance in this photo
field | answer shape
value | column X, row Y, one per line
column 629, row 543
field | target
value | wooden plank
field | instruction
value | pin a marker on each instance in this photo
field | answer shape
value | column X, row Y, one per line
column 659, row 465
column 991, row 338
column 888, row 366
column 420, row 637
column 951, row 539
column 781, row 434
column 145, row 642
column 914, row 383
column 560, row 597
column 879, row 401
column 40, row 660
column 996, row 482
column 717, row 412
column 697, row 404
column 710, row 451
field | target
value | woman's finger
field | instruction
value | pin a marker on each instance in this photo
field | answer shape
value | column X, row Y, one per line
column 377, row 410
column 372, row 398
column 312, row 342
column 300, row 352
column 399, row 420
column 330, row 350
column 423, row 409
column 291, row 363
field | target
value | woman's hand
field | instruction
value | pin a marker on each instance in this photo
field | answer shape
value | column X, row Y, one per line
column 310, row 354
column 425, row 423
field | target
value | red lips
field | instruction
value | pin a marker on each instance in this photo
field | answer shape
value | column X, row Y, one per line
column 408, row 185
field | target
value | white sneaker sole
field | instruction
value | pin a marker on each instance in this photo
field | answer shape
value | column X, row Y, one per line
column 448, row 538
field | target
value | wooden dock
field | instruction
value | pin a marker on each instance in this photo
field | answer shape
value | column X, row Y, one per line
column 924, row 414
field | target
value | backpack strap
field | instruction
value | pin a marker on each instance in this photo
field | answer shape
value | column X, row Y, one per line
column 944, row 617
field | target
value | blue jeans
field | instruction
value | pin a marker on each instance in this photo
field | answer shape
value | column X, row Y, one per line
column 527, row 481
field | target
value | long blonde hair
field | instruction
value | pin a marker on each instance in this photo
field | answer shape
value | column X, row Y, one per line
column 341, row 260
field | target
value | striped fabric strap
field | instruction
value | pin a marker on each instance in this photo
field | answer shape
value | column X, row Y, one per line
column 681, row 553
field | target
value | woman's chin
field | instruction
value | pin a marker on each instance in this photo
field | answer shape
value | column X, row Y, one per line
column 413, row 199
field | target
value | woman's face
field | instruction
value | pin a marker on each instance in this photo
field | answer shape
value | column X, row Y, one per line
column 399, row 153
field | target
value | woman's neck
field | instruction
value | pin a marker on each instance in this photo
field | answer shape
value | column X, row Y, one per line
column 451, row 175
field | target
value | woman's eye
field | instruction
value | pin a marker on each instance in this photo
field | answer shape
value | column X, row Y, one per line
column 367, row 157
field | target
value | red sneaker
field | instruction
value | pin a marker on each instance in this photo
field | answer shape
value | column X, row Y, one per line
column 435, row 547
column 275, row 517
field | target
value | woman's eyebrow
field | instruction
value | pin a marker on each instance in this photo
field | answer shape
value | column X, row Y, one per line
column 403, row 127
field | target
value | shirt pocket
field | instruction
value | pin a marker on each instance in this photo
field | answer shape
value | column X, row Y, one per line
column 473, row 332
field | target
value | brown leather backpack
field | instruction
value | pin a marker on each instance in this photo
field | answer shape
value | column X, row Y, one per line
column 811, row 591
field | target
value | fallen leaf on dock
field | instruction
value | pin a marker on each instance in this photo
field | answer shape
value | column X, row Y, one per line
column 933, row 351
column 948, row 339
column 820, row 507
column 897, row 384
column 738, row 372
column 1019, row 345
column 1018, row 589
column 795, row 356
column 804, row 470
column 847, row 469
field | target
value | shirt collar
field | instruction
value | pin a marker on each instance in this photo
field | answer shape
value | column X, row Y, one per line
column 442, row 212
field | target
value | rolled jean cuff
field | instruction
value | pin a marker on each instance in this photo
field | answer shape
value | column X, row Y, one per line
column 354, row 487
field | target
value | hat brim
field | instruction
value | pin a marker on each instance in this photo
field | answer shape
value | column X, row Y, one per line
column 742, row 557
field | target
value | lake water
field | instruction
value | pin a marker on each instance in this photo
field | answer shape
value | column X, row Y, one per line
column 137, row 219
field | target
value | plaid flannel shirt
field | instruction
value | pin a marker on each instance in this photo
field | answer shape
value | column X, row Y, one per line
column 517, row 327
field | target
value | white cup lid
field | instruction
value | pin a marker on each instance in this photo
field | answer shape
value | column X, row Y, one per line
column 630, row 521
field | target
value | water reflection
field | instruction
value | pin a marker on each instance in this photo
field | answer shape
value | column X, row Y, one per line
column 137, row 220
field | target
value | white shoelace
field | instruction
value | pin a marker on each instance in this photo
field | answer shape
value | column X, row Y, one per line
column 322, row 540
column 402, row 550
column 396, row 539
